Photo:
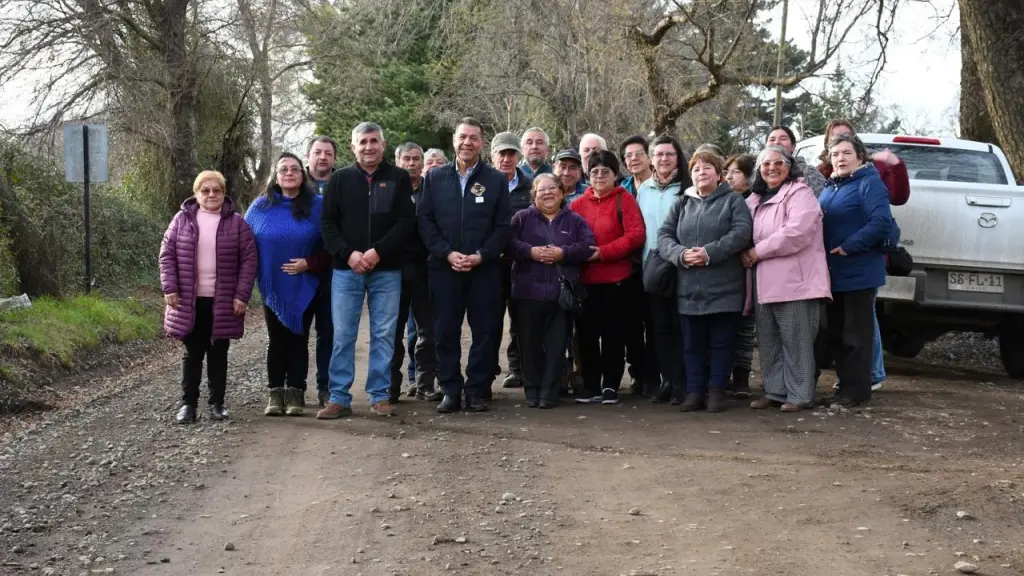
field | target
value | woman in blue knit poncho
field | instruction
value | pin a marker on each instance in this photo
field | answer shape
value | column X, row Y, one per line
column 285, row 221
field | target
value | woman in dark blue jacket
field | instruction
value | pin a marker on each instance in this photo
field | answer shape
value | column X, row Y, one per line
column 857, row 220
column 548, row 241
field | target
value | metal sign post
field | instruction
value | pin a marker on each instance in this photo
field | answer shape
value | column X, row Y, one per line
column 85, row 161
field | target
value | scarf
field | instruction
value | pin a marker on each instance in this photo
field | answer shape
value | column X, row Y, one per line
column 667, row 182
column 279, row 238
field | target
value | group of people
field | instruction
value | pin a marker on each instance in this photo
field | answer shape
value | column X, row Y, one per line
column 679, row 269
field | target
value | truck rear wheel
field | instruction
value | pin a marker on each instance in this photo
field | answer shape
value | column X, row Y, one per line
column 902, row 346
column 1011, row 350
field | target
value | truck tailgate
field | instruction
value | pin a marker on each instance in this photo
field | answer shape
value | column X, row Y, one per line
column 963, row 225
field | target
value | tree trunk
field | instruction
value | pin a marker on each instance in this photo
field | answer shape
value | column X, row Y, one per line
column 33, row 258
column 171, row 17
column 975, row 123
column 994, row 31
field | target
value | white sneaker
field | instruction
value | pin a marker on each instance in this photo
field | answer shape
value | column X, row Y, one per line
column 590, row 400
column 876, row 386
column 836, row 385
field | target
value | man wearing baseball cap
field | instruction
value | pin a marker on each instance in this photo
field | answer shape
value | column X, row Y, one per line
column 569, row 170
column 505, row 156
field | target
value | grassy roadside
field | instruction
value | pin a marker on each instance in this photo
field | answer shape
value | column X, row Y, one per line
column 55, row 330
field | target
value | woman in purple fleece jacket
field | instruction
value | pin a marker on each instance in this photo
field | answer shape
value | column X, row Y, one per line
column 548, row 241
column 207, row 269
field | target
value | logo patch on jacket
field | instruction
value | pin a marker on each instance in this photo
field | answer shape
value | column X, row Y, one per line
column 478, row 189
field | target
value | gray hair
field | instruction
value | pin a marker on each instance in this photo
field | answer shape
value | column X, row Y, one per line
column 786, row 156
column 367, row 128
column 434, row 152
column 600, row 140
column 547, row 140
column 405, row 148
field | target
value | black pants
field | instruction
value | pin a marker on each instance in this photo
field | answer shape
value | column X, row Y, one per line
column 199, row 343
column 849, row 332
column 543, row 326
column 288, row 352
column 641, row 357
column 512, row 353
column 709, row 342
column 324, row 325
column 415, row 297
column 455, row 295
column 668, row 342
column 601, row 337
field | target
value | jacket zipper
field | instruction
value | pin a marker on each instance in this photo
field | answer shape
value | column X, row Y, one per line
column 369, row 213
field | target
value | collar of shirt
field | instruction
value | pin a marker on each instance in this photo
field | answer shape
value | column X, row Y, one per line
column 513, row 182
column 463, row 180
column 368, row 175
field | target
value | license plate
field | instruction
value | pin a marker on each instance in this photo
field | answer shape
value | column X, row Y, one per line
column 976, row 282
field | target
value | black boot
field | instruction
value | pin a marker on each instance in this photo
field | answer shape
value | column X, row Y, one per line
column 740, row 383
column 449, row 404
column 716, row 400
column 476, row 404
column 694, row 401
column 186, row 414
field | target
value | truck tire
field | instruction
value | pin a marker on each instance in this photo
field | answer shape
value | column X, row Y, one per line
column 903, row 346
column 1011, row 351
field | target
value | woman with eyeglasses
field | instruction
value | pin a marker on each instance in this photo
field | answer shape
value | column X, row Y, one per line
column 739, row 174
column 618, row 226
column 857, row 219
column 656, row 197
column 207, row 269
column 285, row 220
column 548, row 241
column 790, row 279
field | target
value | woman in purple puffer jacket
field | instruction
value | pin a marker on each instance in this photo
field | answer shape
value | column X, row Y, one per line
column 548, row 241
column 207, row 268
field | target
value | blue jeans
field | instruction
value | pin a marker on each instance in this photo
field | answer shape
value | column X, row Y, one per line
column 382, row 291
column 877, row 365
column 410, row 344
column 709, row 342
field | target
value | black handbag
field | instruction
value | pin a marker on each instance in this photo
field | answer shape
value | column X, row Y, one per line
column 571, row 293
column 659, row 275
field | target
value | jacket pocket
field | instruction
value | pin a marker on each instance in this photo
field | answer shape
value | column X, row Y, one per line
column 382, row 197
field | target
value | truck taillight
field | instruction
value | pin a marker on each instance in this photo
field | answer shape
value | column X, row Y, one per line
column 916, row 140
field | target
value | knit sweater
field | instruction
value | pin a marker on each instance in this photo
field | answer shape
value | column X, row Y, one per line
column 280, row 237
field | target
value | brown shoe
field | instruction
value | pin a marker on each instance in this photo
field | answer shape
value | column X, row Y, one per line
column 333, row 411
column 383, row 408
column 763, row 403
column 787, row 407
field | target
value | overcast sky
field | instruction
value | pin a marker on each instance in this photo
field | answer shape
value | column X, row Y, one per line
column 922, row 78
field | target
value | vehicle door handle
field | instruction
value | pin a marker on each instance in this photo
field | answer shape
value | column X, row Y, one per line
column 988, row 201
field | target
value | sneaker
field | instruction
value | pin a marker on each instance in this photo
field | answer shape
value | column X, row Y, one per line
column 513, row 380
column 589, row 400
column 836, row 385
column 609, row 396
column 333, row 411
column 383, row 408
column 876, row 386
column 218, row 412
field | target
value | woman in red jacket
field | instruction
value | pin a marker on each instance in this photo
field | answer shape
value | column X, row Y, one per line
column 614, row 216
column 892, row 170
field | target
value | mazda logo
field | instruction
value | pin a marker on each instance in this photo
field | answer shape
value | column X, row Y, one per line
column 988, row 220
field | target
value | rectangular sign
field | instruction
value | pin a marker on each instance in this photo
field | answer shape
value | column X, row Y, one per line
column 74, row 152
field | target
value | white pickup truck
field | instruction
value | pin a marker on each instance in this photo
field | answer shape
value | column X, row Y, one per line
column 964, row 227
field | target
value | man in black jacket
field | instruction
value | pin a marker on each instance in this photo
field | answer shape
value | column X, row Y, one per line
column 464, row 219
column 367, row 220
column 505, row 155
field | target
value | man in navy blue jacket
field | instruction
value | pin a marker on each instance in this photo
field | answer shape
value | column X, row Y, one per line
column 464, row 219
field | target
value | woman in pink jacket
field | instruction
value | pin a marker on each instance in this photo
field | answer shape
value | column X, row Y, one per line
column 790, row 279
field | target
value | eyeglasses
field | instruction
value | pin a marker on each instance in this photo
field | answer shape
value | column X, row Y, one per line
column 289, row 170
column 211, row 192
column 631, row 155
column 546, row 189
column 773, row 164
column 600, row 173
column 664, row 154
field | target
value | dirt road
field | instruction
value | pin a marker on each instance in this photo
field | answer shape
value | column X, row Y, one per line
column 115, row 487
